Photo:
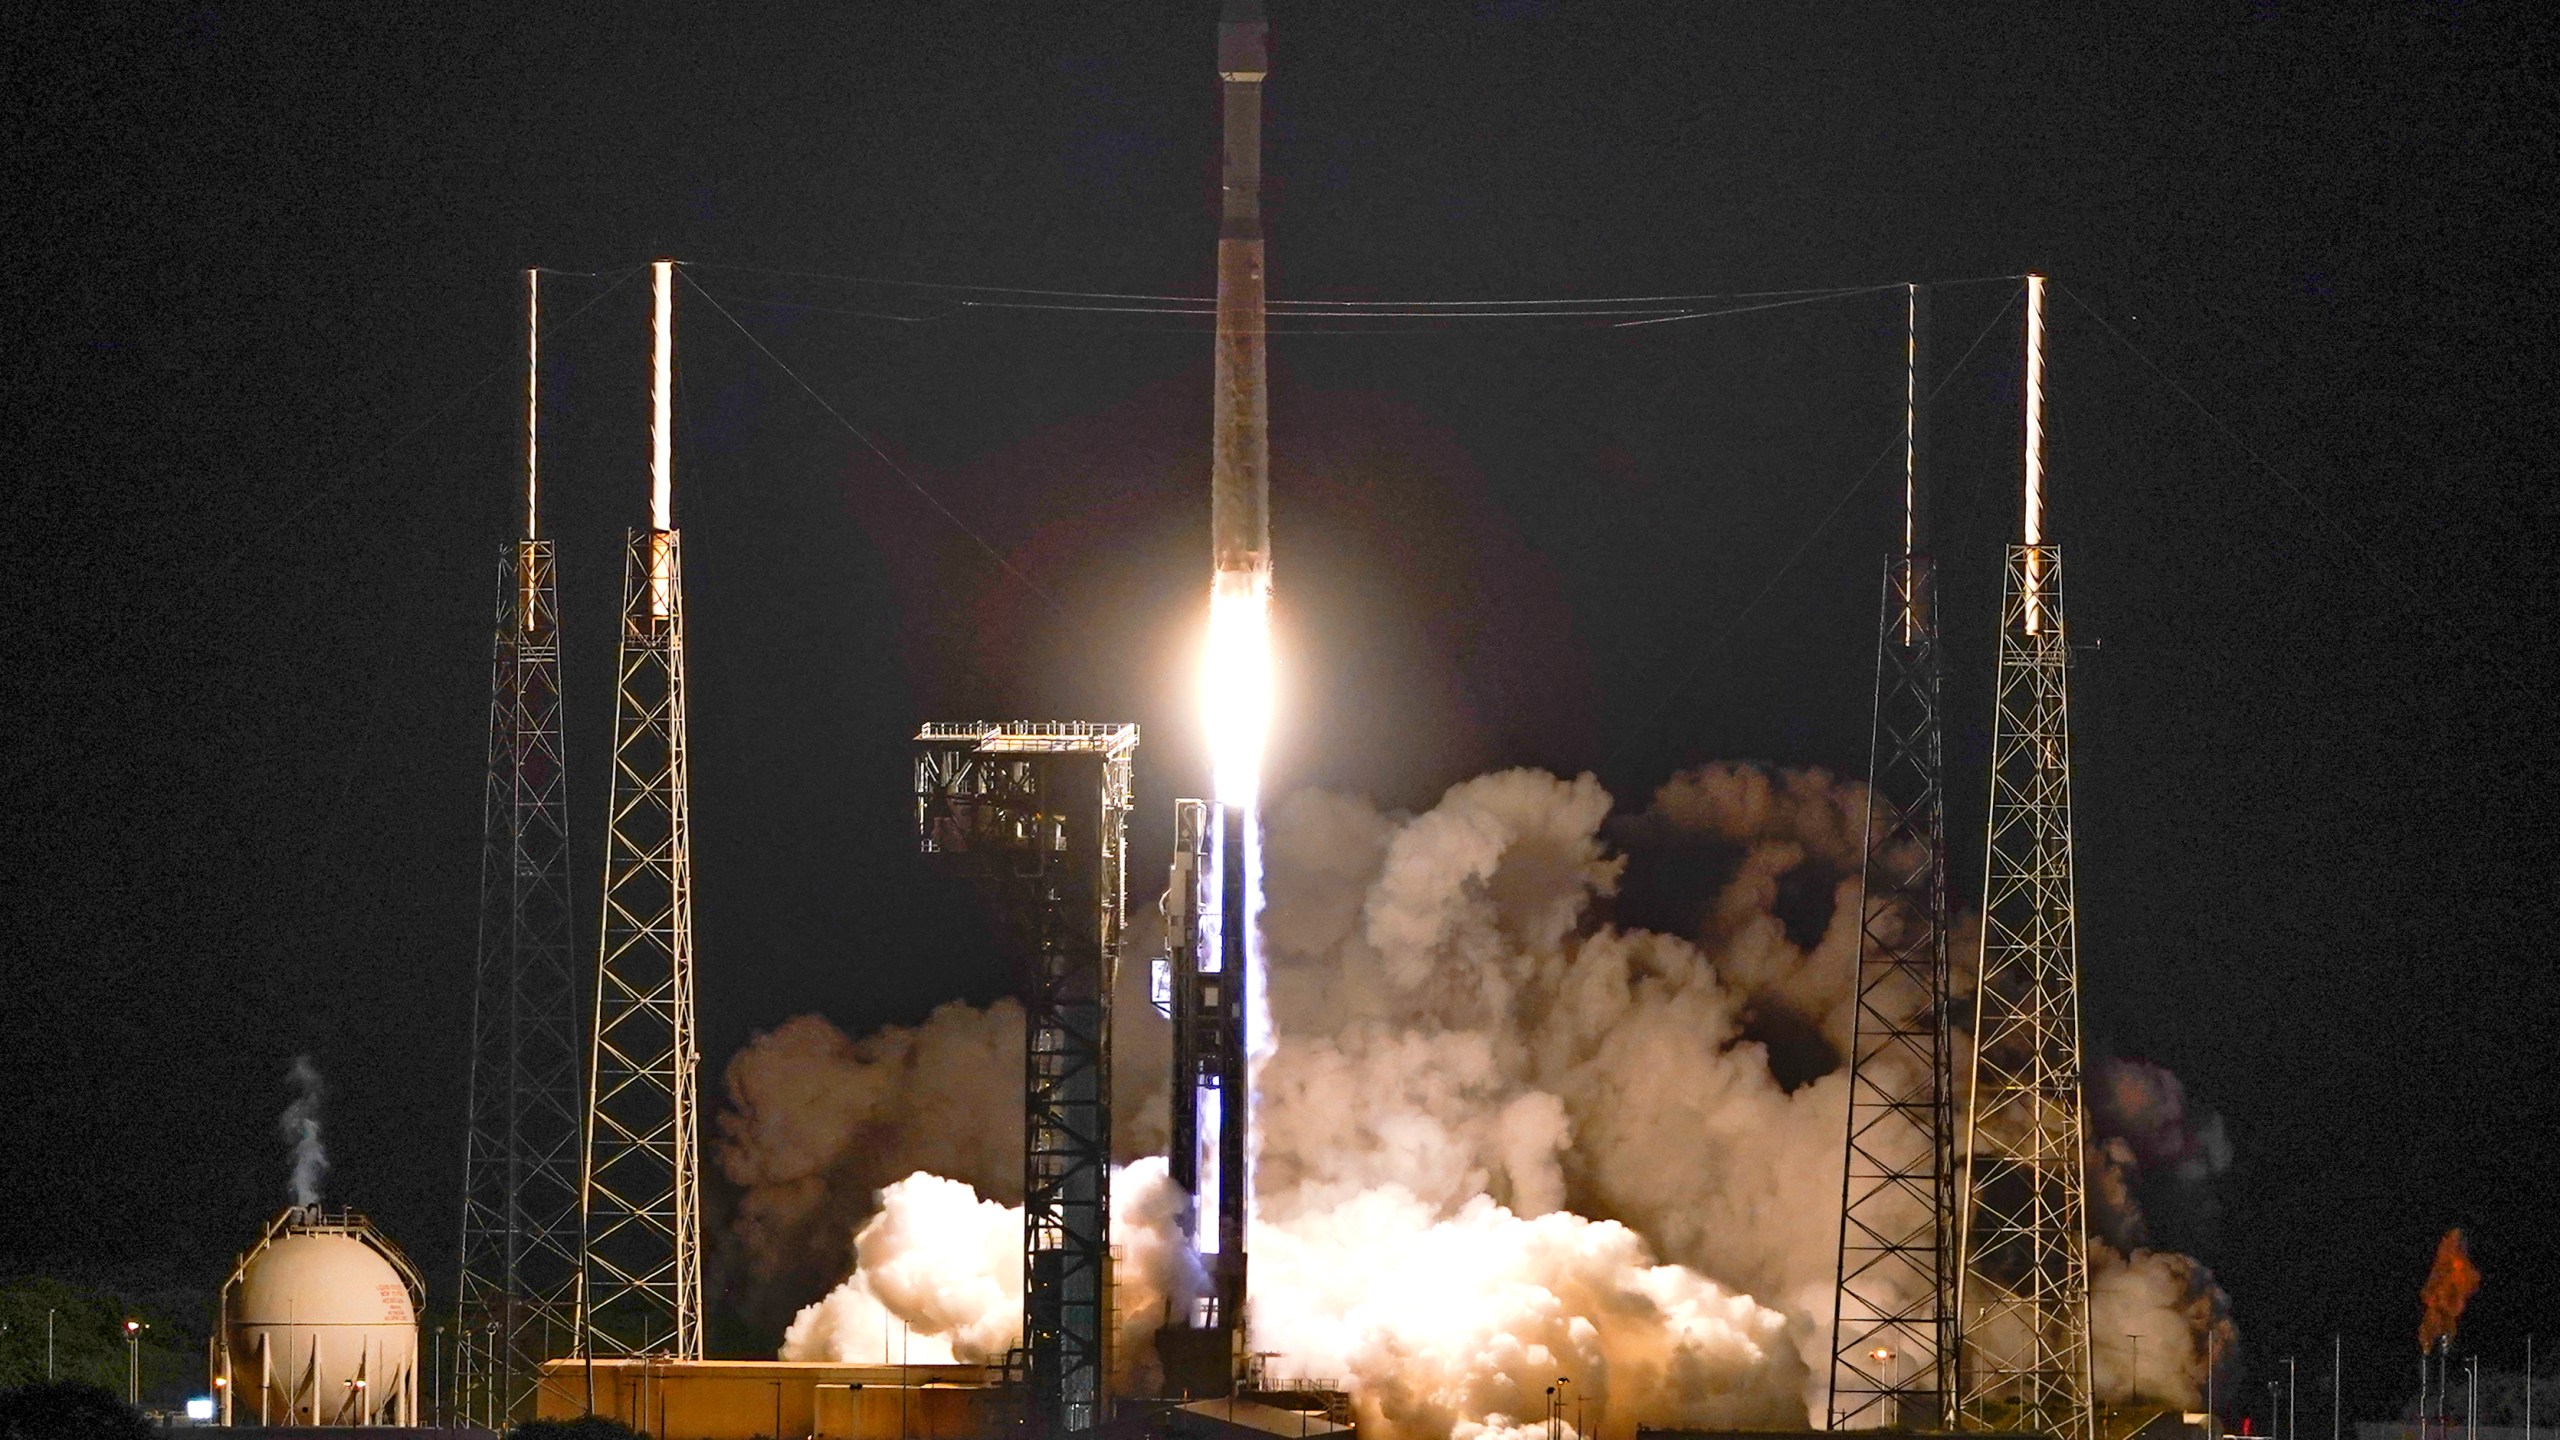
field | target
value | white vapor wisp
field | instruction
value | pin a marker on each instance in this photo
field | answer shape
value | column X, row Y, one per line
column 1503, row 1139
column 299, row 1127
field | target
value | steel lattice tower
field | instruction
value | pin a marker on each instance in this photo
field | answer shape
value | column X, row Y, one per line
column 517, row 1296
column 2024, row 1285
column 641, row 1284
column 1036, row 816
column 1891, row 1360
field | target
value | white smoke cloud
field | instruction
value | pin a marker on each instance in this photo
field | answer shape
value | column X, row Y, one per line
column 1502, row 1140
column 299, row 1127
column 938, row 1280
column 939, row 1277
column 1440, row 1322
column 816, row 1123
column 2172, row 1303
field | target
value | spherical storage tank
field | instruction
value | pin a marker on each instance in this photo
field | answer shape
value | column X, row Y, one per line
column 319, row 1326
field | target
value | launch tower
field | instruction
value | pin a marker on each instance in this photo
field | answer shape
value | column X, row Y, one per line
column 640, row 1287
column 1207, row 915
column 1892, row 1363
column 1035, row 815
column 2023, row 1288
column 517, row 1300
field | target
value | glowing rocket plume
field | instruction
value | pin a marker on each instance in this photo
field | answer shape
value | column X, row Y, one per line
column 2449, row 1288
column 1235, row 685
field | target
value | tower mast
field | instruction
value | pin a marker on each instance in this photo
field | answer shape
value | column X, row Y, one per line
column 518, row 1287
column 1892, row 1362
column 2024, row 1279
column 641, row 1284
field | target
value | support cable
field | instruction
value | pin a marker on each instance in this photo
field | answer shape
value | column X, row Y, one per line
column 1147, row 303
column 894, row 467
column 346, row 474
column 1819, row 530
column 2301, row 493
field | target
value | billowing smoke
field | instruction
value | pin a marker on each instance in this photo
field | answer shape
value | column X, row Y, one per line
column 817, row 1124
column 1504, row 1138
column 2154, row 1153
column 939, row 1274
column 300, row 1128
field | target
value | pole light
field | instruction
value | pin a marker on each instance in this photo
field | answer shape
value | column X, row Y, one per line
column 133, row 1362
column 2212, row 1401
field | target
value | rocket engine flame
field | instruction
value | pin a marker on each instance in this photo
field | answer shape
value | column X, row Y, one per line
column 2449, row 1287
column 1236, row 685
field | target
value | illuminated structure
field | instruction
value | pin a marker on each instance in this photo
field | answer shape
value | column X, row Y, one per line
column 319, row 1326
column 1207, row 920
column 1035, row 815
column 1213, row 994
column 2023, row 1289
column 1892, row 1363
column 518, row 1289
column 640, row 1287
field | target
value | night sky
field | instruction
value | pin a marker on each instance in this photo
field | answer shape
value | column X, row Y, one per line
column 264, row 392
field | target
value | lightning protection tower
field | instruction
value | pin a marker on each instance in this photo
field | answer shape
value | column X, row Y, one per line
column 2024, row 1284
column 1035, row 814
column 1891, row 1360
column 641, row 1284
column 517, row 1300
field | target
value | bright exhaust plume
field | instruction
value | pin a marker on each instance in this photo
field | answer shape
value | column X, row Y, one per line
column 1236, row 685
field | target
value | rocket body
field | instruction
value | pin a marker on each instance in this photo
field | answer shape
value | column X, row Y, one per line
column 1214, row 973
column 1240, row 450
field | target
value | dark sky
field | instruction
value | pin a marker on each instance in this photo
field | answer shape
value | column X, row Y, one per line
column 261, row 256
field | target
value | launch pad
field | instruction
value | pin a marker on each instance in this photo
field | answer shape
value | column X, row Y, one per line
column 1033, row 815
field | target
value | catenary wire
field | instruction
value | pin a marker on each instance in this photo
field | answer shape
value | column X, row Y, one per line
column 1206, row 304
column 895, row 468
column 1733, row 625
column 347, row 474
column 2301, row 493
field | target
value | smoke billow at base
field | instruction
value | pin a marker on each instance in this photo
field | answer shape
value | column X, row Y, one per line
column 1501, row 1139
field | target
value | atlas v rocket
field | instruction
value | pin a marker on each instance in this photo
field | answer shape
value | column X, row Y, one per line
column 1210, row 903
column 1240, row 463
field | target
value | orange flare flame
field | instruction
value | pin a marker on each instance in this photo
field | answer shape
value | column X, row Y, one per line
column 2448, row 1289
